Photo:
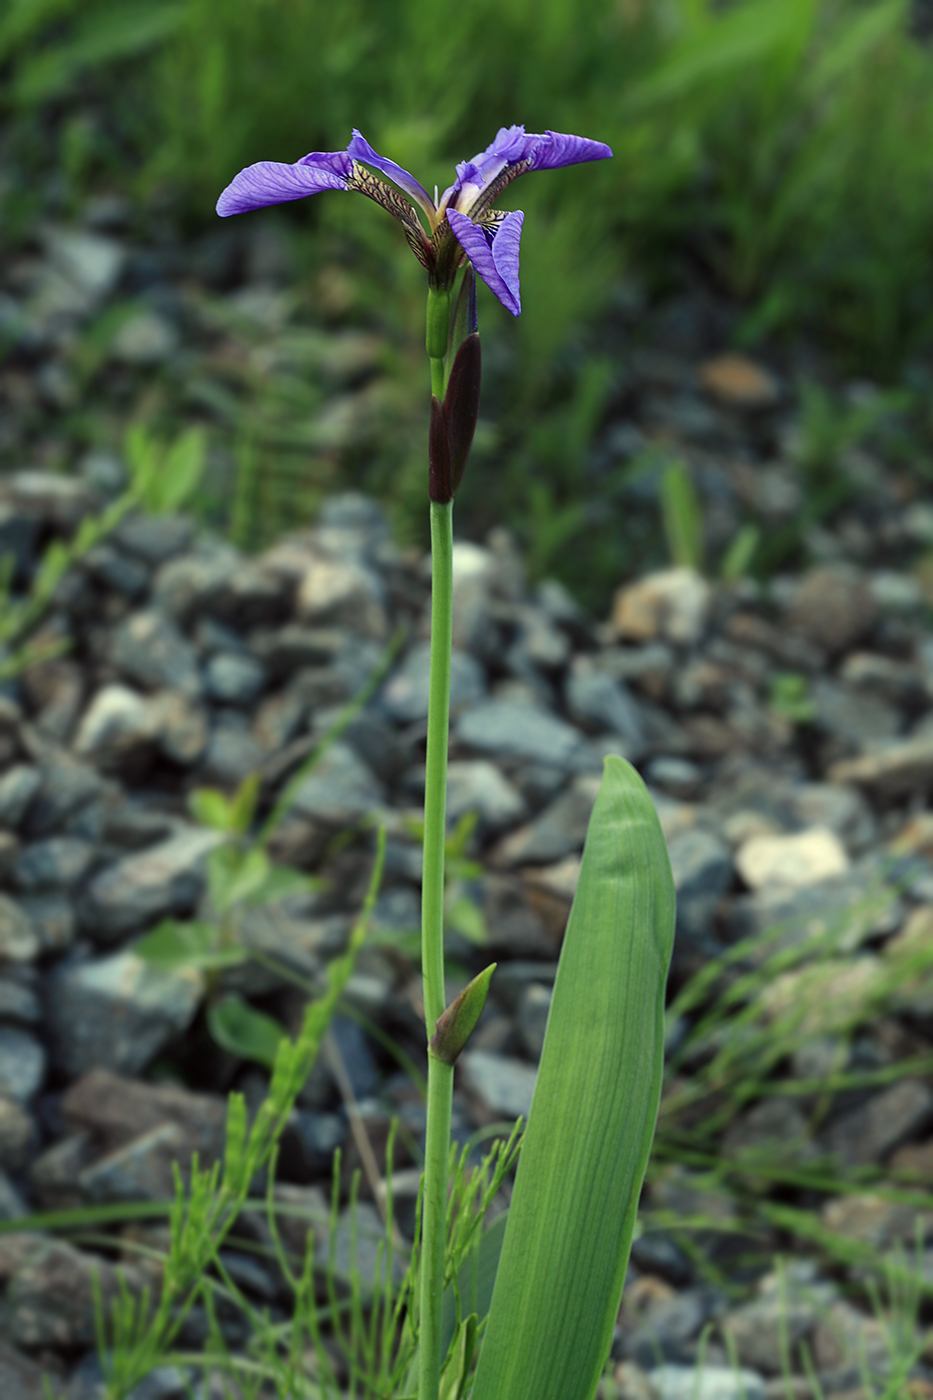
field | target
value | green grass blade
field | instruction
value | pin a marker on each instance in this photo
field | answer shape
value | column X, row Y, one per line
column 593, row 1115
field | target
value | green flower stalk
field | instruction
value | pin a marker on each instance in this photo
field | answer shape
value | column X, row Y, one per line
column 455, row 237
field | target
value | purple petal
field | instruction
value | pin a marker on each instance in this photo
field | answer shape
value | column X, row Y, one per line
column 360, row 149
column 271, row 182
column 494, row 255
column 507, row 148
column 552, row 150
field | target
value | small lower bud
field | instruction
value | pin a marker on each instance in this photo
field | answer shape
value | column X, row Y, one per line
column 455, row 1025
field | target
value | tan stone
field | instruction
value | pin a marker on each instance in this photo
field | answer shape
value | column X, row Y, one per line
column 739, row 382
column 672, row 604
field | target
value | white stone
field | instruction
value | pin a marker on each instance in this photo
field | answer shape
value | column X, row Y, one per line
column 711, row 1383
column 117, row 718
column 805, row 858
column 673, row 604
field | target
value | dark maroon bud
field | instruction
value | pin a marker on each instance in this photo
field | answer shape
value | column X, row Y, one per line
column 438, row 454
column 461, row 406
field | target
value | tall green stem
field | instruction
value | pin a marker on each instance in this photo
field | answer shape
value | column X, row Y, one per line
column 440, row 1076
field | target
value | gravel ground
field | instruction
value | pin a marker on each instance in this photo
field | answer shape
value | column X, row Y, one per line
column 785, row 731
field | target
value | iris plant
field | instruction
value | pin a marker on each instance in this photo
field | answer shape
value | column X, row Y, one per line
column 462, row 224
column 605, row 1024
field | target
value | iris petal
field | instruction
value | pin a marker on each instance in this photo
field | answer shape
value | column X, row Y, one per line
column 553, row 149
column 360, row 149
column 272, row 182
column 494, row 255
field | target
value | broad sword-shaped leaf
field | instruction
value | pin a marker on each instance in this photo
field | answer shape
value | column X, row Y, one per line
column 593, row 1115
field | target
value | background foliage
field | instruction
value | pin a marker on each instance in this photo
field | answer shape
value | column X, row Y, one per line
column 780, row 155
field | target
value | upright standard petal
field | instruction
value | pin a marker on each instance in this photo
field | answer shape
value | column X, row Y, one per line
column 492, row 248
column 360, row 149
column 552, row 149
column 272, row 182
column 473, row 176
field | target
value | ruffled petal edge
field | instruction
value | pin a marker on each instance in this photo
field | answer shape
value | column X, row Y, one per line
column 498, row 263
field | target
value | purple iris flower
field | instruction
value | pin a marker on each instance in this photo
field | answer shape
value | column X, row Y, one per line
column 462, row 225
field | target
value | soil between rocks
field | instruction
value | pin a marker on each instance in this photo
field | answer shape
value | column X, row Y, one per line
column 786, row 733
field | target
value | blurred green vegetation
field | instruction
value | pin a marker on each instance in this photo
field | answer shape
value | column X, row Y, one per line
column 781, row 154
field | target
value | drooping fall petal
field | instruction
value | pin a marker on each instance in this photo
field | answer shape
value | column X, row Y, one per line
column 493, row 250
column 273, row 182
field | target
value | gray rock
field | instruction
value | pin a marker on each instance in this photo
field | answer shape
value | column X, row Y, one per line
column 897, row 681
column 52, row 917
column 19, row 941
column 890, row 771
column 472, row 577
column 103, row 471
column 188, row 586
column 22, row 1064
column 857, row 718
column 116, row 570
column 232, row 754
column 314, row 1138
column 340, row 789
column 165, row 879
column 16, row 1134
column 90, row 261
column 478, row 786
column 18, row 786
column 342, row 593
column 58, row 863
column 677, row 776
column 118, row 1110
column 707, row 1383
column 766, row 1331
column 50, row 1299
column 20, row 1378
column 117, row 1012
column 503, row 1086
column 533, row 1007
column 773, row 1132
column 360, row 521
column 145, row 339
column 67, row 785
column 539, row 645
column 598, row 702
column 359, row 1250
column 701, row 863
column 559, row 831
column 866, row 1135
column 839, row 914
column 140, row 1171
column 516, row 729
column 405, row 695
column 180, row 727
column 832, row 607
column 9, row 850
column 148, row 648
column 154, row 538
column 19, row 1003
column 841, row 808
column 896, row 592
column 233, row 679
column 287, row 649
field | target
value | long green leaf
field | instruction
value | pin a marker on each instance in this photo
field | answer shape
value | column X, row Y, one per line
column 593, row 1115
